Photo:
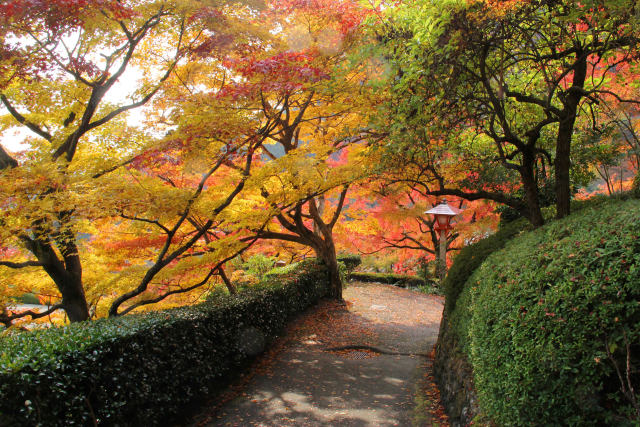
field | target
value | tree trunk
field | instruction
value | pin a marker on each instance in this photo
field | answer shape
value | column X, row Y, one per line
column 531, row 190
column 565, row 133
column 231, row 287
column 74, row 301
column 70, row 286
column 327, row 253
column 66, row 274
column 562, row 168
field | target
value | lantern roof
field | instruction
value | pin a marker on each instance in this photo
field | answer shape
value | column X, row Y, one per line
column 444, row 209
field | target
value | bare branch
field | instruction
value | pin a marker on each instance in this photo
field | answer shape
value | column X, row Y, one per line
column 7, row 318
column 22, row 120
column 169, row 293
column 149, row 221
column 17, row 265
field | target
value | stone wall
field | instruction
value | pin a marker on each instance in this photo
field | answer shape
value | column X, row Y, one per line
column 454, row 377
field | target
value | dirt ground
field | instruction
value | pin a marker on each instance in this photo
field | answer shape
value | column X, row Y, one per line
column 363, row 363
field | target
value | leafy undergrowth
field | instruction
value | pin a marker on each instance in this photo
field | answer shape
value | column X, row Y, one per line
column 428, row 408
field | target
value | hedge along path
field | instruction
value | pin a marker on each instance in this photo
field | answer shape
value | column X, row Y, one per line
column 363, row 363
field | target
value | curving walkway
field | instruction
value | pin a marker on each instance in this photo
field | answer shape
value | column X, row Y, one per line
column 365, row 363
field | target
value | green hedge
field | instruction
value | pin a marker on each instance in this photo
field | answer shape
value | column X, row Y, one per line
column 350, row 261
column 635, row 188
column 539, row 318
column 472, row 256
column 28, row 298
column 392, row 279
column 142, row 369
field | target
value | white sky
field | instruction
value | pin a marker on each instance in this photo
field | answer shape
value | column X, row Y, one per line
column 13, row 138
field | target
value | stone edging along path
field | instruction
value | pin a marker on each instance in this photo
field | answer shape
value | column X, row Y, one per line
column 363, row 363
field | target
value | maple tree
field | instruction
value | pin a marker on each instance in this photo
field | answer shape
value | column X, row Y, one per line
column 386, row 215
column 619, row 150
column 500, row 86
column 60, row 61
column 315, row 143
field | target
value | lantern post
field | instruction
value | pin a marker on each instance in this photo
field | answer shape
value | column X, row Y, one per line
column 443, row 213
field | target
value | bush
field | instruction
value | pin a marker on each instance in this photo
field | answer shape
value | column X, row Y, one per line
column 547, row 320
column 472, row 256
column 350, row 261
column 392, row 279
column 278, row 273
column 258, row 265
column 635, row 187
column 141, row 369
column 28, row 298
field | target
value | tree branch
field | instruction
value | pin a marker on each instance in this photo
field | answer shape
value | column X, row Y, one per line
column 7, row 319
column 17, row 265
column 22, row 120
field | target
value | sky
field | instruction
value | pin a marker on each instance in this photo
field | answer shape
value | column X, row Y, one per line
column 13, row 138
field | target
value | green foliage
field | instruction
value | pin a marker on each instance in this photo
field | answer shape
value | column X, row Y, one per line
column 380, row 263
column 351, row 261
column 216, row 293
column 546, row 320
column 28, row 299
column 258, row 265
column 546, row 197
column 392, row 279
column 472, row 256
column 344, row 273
column 427, row 269
column 635, row 188
column 150, row 365
column 278, row 272
column 430, row 288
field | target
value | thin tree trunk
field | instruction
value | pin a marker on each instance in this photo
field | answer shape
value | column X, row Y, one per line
column 531, row 190
column 565, row 133
column 562, row 168
column 228, row 283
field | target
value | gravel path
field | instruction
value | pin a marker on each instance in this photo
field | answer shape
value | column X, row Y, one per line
column 365, row 363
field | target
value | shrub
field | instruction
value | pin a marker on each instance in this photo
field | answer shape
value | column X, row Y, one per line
column 392, row 279
column 258, row 265
column 550, row 318
column 277, row 273
column 141, row 369
column 427, row 269
column 635, row 187
column 350, row 261
column 472, row 256
column 28, row 298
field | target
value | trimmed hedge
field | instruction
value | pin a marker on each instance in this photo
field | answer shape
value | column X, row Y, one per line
column 142, row 369
column 472, row 256
column 28, row 298
column 391, row 279
column 546, row 320
column 350, row 261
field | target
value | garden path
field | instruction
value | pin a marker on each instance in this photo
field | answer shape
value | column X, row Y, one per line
column 363, row 363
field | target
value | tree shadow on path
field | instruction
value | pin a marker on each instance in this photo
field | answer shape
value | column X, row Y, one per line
column 363, row 363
